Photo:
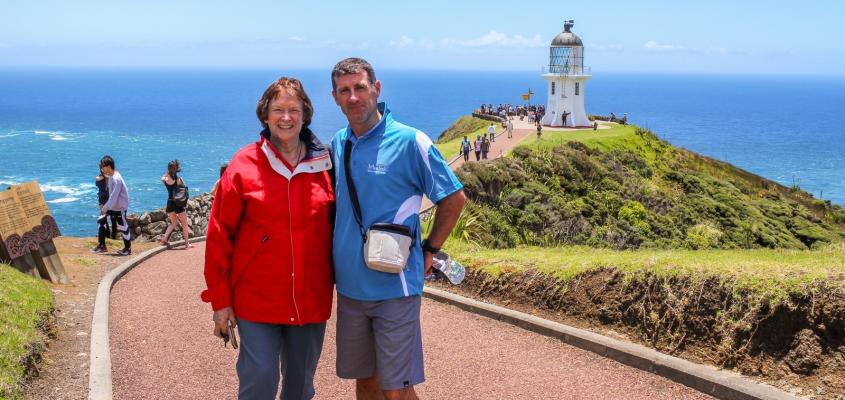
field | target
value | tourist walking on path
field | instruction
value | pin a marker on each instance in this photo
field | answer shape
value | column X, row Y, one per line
column 268, row 265
column 509, row 128
column 477, row 146
column 115, row 207
column 465, row 145
column 491, row 131
column 485, row 147
column 177, row 201
column 379, row 340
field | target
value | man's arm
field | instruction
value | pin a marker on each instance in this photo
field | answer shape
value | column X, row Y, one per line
column 447, row 214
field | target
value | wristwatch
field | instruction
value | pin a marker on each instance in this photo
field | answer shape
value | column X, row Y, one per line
column 428, row 248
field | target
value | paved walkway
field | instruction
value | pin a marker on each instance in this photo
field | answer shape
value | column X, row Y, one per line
column 503, row 144
column 162, row 348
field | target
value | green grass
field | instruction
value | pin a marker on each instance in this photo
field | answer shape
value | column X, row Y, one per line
column 771, row 274
column 462, row 126
column 25, row 302
column 86, row 261
column 618, row 137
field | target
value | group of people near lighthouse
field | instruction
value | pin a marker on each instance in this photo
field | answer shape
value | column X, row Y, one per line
column 506, row 111
column 293, row 220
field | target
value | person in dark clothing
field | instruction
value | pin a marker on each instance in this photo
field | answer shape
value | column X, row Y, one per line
column 103, row 220
column 176, row 212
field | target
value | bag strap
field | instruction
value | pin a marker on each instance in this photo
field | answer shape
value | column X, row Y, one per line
column 350, row 186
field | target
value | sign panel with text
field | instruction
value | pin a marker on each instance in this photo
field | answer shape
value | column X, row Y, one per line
column 25, row 219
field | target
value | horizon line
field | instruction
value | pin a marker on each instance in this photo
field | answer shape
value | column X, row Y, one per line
column 313, row 68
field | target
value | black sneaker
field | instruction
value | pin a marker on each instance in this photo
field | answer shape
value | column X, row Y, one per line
column 124, row 252
column 99, row 249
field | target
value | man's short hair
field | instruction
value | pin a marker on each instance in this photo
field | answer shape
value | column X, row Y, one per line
column 291, row 86
column 107, row 161
column 353, row 65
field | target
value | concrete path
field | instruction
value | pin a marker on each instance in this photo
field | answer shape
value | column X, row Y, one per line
column 503, row 144
column 162, row 348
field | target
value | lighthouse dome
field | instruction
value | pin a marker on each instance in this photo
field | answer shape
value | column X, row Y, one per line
column 567, row 39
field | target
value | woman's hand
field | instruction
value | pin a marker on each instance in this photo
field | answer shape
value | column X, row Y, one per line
column 221, row 319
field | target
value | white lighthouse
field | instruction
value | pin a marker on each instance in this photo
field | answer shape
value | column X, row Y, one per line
column 566, row 76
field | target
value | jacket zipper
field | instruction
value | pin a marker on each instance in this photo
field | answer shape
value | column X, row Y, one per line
column 292, row 255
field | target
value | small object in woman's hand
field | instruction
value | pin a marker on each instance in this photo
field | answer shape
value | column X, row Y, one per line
column 230, row 336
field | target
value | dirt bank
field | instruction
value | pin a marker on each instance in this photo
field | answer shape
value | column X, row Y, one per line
column 797, row 344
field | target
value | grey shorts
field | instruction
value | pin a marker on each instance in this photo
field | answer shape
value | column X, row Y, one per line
column 380, row 338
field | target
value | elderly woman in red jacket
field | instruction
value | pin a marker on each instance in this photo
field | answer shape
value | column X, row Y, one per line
column 268, row 260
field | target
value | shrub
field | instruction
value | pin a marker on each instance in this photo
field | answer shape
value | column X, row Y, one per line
column 703, row 236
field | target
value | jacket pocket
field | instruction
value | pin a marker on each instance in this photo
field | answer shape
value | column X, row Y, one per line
column 240, row 269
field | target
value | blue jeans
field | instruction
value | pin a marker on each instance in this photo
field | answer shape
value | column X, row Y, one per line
column 270, row 349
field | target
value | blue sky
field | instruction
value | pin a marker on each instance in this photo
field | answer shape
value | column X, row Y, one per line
column 765, row 37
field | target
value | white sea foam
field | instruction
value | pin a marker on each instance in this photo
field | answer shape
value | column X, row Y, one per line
column 70, row 193
column 68, row 199
column 8, row 182
column 54, row 135
column 8, row 135
column 59, row 189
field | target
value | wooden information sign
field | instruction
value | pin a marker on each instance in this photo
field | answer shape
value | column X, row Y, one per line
column 27, row 230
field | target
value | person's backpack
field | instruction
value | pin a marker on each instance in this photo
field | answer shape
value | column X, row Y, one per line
column 180, row 194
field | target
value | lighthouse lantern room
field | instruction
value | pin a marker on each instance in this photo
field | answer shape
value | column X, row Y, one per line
column 566, row 76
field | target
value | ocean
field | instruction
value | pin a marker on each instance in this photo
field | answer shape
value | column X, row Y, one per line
column 55, row 124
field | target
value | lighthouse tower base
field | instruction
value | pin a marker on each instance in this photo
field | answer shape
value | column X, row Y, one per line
column 565, row 106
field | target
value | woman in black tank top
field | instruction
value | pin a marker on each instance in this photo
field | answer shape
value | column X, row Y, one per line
column 176, row 213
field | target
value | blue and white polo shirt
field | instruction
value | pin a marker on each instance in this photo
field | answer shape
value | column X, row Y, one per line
column 392, row 166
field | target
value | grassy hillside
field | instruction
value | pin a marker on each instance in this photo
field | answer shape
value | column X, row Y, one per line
column 449, row 142
column 26, row 307
column 624, row 188
column 465, row 125
column 689, row 255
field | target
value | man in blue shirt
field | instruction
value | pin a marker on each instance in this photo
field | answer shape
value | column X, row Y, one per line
column 465, row 145
column 392, row 166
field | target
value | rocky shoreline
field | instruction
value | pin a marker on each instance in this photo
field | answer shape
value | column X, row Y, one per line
column 150, row 226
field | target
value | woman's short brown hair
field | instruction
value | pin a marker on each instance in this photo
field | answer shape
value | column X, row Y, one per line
column 291, row 86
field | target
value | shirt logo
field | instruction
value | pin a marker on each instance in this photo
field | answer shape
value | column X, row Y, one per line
column 378, row 169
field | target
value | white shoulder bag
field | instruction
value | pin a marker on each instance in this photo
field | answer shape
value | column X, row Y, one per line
column 386, row 246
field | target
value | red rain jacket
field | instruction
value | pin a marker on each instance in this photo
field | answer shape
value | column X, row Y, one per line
column 269, row 242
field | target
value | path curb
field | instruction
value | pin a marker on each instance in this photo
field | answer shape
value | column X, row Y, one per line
column 704, row 378
column 99, row 372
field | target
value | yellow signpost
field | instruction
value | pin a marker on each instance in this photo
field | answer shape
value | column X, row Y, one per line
column 527, row 96
column 27, row 230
